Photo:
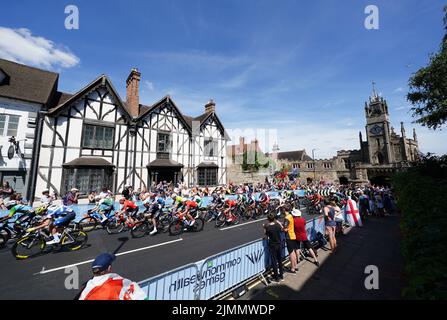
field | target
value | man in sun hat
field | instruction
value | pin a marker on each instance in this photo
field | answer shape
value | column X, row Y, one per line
column 106, row 285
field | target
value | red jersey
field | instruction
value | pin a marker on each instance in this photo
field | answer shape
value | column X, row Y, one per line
column 300, row 228
column 191, row 204
column 129, row 205
column 231, row 203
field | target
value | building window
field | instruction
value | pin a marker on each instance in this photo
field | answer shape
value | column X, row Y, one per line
column 207, row 176
column 9, row 125
column 327, row 165
column 210, row 148
column 87, row 179
column 348, row 163
column 310, row 165
column 97, row 137
column 164, row 142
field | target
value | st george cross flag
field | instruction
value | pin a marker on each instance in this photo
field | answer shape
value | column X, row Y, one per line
column 352, row 213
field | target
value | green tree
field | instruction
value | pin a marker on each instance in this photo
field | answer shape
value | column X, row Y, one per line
column 428, row 88
column 253, row 161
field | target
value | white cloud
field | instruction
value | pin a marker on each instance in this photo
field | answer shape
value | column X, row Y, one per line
column 21, row 46
column 149, row 85
column 400, row 89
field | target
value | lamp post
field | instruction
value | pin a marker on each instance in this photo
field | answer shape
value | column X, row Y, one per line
column 313, row 158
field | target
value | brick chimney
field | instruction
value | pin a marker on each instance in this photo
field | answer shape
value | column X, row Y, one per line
column 241, row 144
column 132, row 92
column 210, row 106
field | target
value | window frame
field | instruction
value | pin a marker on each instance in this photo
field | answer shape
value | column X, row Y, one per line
column 207, row 176
column 95, row 145
column 6, row 126
column 169, row 142
column 207, row 149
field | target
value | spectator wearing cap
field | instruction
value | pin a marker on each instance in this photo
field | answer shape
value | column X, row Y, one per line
column 301, row 235
column 71, row 197
column 291, row 244
column 106, row 285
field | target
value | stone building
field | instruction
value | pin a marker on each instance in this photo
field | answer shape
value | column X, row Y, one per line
column 382, row 154
column 235, row 172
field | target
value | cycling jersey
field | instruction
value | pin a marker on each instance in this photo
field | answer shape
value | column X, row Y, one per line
column 19, row 208
column 230, row 203
column 191, row 204
column 129, row 205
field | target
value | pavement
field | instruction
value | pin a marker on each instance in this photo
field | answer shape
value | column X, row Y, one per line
column 44, row 276
column 341, row 275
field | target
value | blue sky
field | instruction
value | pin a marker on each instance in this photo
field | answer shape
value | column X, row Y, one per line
column 301, row 69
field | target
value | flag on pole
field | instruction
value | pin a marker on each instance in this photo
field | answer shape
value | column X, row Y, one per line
column 352, row 213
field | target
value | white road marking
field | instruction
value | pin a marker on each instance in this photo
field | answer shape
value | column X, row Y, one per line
column 242, row 224
column 118, row 254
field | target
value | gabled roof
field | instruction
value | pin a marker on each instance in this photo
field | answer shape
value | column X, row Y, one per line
column 145, row 110
column 27, row 83
column 299, row 155
column 103, row 80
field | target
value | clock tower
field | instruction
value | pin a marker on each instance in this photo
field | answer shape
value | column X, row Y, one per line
column 378, row 131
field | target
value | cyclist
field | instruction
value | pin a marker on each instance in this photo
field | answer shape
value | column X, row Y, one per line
column 230, row 205
column 57, row 218
column 264, row 200
column 104, row 206
column 190, row 207
column 156, row 205
column 129, row 208
column 15, row 207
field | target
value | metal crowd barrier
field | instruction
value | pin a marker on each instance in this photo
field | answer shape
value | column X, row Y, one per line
column 219, row 273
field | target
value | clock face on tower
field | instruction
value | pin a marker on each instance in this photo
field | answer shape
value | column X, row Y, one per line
column 376, row 129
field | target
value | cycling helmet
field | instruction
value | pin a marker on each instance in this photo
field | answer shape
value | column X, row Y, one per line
column 197, row 199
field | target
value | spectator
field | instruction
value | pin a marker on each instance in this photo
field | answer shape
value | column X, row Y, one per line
column 290, row 238
column 91, row 197
column 301, row 235
column 272, row 232
column 126, row 192
column 6, row 191
column 106, row 285
column 71, row 197
column 46, row 198
column 330, row 224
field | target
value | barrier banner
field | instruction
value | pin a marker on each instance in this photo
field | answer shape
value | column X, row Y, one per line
column 178, row 284
column 230, row 268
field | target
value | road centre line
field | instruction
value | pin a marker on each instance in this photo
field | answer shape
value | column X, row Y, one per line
column 242, row 224
column 43, row 271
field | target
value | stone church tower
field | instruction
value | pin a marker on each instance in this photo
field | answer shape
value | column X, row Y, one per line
column 378, row 130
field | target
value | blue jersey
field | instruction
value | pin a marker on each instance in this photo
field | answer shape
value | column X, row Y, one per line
column 58, row 212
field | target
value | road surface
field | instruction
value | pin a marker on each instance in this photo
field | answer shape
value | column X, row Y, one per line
column 43, row 277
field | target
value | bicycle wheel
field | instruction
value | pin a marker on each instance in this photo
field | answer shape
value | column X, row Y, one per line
column 114, row 226
column 88, row 224
column 28, row 246
column 139, row 230
column 175, row 228
column 221, row 220
column 74, row 240
column 198, row 225
column 236, row 218
column 3, row 240
column 163, row 225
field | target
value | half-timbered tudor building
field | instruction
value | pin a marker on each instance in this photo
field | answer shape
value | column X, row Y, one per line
column 92, row 139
